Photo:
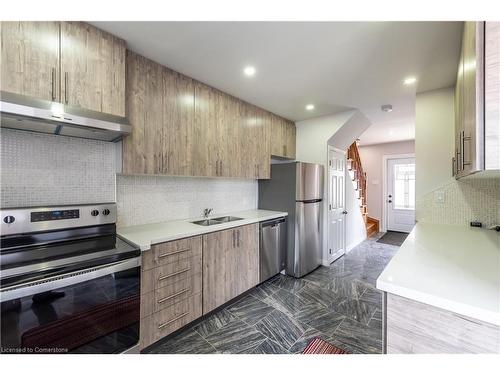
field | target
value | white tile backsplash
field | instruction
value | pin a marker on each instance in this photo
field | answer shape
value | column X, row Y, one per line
column 149, row 199
column 42, row 169
column 465, row 200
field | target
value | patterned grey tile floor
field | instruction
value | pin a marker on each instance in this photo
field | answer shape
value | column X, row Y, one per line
column 338, row 303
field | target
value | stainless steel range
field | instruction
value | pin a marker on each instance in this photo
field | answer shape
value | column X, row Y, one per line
column 68, row 283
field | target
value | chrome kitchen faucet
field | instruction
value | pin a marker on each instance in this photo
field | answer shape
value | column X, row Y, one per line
column 207, row 212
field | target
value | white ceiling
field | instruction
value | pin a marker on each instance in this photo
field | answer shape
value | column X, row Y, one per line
column 335, row 65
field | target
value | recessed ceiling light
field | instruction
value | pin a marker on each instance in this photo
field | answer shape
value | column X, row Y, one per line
column 249, row 71
column 410, row 80
column 386, row 108
column 310, row 107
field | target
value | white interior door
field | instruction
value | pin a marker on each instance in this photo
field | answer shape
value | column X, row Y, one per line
column 336, row 204
column 400, row 198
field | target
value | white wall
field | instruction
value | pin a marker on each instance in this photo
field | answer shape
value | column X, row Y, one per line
column 313, row 137
column 476, row 198
column 371, row 159
column 434, row 140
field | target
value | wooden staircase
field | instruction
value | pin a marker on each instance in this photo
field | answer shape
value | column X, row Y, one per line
column 358, row 178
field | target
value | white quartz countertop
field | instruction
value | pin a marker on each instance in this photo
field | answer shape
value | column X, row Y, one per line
column 452, row 267
column 148, row 234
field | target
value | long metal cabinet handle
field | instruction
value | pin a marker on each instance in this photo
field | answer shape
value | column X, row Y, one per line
column 239, row 243
column 173, row 274
column 173, row 253
column 234, row 238
column 66, row 78
column 173, row 295
column 463, row 138
column 163, row 325
column 53, row 84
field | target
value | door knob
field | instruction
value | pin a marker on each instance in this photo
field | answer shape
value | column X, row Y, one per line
column 389, row 201
column 344, row 212
column 390, row 196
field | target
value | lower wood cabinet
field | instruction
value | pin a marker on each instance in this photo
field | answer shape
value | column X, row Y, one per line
column 170, row 319
column 171, row 286
column 184, row 279
column 416, row 328
column 230, row 264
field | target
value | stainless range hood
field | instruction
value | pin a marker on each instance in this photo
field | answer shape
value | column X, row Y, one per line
column 42, row 116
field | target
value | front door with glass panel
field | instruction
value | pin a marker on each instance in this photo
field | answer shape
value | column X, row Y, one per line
column 400, row 198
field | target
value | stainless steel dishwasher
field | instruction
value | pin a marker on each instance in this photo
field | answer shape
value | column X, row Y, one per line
column 272, row 248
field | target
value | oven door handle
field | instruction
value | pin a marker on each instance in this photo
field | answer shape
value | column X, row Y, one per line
column 67, row 279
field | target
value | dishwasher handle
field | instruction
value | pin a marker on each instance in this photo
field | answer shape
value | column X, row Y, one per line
column 272, row 223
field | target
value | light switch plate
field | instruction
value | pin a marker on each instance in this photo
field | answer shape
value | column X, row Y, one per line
column 439, row 196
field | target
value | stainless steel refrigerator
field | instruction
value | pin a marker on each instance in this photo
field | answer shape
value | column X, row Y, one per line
column 297, row 188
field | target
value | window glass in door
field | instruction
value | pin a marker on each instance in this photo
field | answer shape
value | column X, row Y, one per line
column 404, row 186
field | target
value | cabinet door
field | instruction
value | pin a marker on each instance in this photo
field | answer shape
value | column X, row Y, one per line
column 457, row 162
column 143, row 149
column 247, row 250
column 92, row 69
column 219, row 269
column 289, row 139
column 222, row 137
column 261, row 132
column 30, row 59
column 277, row 130
column 469, row 97
column 492, row 96
column 249, row 133
column 235, row 143
column 205, row 153
column 178, row 123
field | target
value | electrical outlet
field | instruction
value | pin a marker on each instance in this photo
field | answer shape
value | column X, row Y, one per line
column 439, row 196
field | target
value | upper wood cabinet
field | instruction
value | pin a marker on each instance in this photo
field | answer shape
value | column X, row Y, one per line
column 477, row 107
column 282, row 138
column 177, row 126
column 143, row 150
column 69, row 62
column 201, row 131
column 30, row 59
column 92, row 69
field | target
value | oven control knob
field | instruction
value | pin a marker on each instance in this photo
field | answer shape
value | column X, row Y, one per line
column 106, row 212
column 9, row 219
column 94, row 212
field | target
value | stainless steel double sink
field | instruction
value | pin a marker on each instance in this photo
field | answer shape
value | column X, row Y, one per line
column 216, row 220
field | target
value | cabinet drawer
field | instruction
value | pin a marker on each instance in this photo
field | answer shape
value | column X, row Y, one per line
column 169, row 274
column 169, row 295
column 170, row 252
column 168, row 320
